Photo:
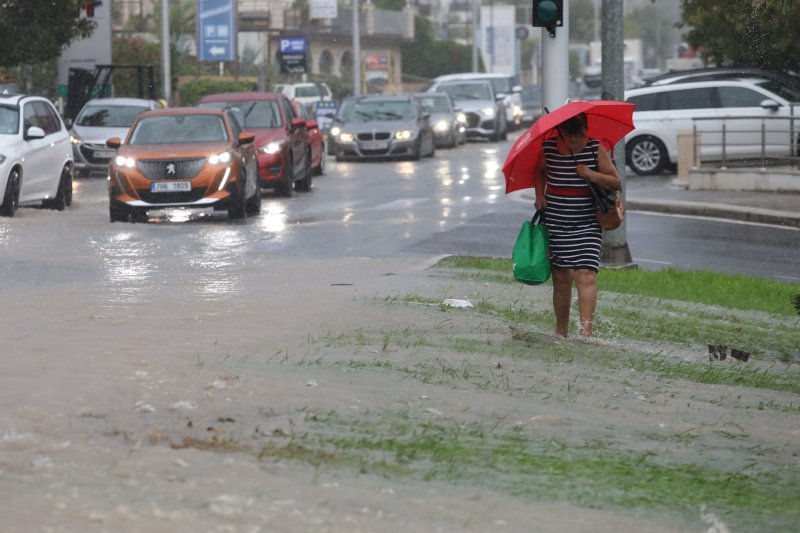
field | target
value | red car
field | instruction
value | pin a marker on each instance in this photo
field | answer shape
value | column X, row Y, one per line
column 316, row 138
column 281, row 143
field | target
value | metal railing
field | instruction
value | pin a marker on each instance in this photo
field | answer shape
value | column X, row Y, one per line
column 733, row 144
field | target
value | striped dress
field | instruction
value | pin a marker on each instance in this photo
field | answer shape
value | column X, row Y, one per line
column 575, row 234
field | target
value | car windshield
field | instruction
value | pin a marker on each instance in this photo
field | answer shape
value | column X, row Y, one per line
column 467, row 91
column 381, row 111
column 177, row 129
column 109, row 116
column 784, row 91
column 435, row 104
column 307, row 90
column 9, row 120
column 252, row 113
column 501, row 85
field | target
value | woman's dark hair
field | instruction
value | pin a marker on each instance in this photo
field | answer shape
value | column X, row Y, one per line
column 575, row 125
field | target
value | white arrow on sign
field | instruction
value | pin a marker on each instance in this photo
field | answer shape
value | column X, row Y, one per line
column 216, row 50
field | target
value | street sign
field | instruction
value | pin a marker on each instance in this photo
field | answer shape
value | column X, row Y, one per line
column 292, row 53
column 216, row 30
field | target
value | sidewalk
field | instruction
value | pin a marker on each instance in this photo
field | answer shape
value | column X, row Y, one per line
column 661, row 194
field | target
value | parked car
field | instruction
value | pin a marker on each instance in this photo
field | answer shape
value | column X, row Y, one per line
column 449, row 125
column 531, row 96
column 98, row 120
column 385, row 127
column 35, row 156
column 482, row 107
column 281, row 138
column 306, row 93
column 504, row 87
column 183, row 157
column 664, row 110
column 316, row 139
column 722, row 73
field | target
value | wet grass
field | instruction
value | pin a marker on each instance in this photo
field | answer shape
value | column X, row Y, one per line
column 709, row 288
column 592, row 475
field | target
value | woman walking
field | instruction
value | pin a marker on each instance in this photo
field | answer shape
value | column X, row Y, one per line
column 560, row 178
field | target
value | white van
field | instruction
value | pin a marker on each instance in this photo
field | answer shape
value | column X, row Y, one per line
column 306, row 93
column 503, row 85
column 662, row 111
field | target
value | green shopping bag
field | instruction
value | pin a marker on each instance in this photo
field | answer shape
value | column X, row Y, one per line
column 530, row 260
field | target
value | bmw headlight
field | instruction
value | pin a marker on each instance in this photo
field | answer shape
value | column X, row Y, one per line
column 441, row 125
column 346, row 137
column 224, row 157
column 335, row 131
column 488, row 112
column 461, row 117
column 272, row 147
column 404, row 135
column 122, row 161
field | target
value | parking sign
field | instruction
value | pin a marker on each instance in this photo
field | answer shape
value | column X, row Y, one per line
column 216, row 30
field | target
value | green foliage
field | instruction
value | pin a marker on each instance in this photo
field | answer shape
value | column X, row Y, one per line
column 427, row 57
column 35, row 31
column 748, row 33
column 191, row 92
column 581, row 21
column 134, row 51
column 38, row 78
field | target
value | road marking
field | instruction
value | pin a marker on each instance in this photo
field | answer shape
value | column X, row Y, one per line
column 790, row 278
column 402, row 203
column 718, row 219
column 635, row 260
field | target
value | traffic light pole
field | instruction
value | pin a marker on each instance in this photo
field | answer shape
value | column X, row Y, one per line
column 555, row 63
column 615, row 251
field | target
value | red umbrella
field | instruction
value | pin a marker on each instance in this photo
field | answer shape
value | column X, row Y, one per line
column 608, row 122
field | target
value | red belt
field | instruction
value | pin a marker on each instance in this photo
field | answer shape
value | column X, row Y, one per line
column 568, row 191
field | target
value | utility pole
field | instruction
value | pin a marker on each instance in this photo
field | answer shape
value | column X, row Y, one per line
column 614, row 251
column 356, row 50
column 166, row 74
column 475, row 30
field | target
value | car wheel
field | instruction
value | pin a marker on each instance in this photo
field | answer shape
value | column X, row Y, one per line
column 254, row 203
column 117, row 211
column 646, row 155
column 304, row 184
column 237, row 206
column 11, row 195
column 284, row 186
column 63, row 197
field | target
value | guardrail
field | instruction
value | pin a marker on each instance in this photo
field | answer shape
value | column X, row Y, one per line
column 745, row 141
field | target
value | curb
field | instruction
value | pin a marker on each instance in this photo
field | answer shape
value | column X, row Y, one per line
column 747, row 214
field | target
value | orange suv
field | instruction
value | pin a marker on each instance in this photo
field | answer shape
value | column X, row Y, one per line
column 183, row 157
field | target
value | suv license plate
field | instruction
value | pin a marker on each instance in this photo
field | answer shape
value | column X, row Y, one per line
column 103, row 154
column 170, row 186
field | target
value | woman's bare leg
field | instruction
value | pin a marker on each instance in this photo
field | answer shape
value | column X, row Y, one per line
column 586, row 281
column 562, row 297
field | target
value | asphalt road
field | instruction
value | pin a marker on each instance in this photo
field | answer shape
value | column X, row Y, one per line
column 453, row 203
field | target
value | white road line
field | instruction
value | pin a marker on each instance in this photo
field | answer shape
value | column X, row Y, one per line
column 636, row 259
column 717, row 219
column 402, row 203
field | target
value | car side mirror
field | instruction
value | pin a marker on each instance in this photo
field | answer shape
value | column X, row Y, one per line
column 298, row 123
column 770, row 104
column 114, row 142
column 516, row 89
column 246, row 138
column 500, row 97
column 34, row 132
column 311, row 124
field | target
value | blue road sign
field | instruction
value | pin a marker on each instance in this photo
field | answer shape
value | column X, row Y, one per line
column 293, row 45
column 216, row 30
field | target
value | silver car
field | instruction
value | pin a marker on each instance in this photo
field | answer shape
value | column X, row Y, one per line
column 101, row 119
column 449, row 124
column 483, row 108
column 380, row 127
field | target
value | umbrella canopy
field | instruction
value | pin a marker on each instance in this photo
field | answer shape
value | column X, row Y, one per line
column 608, row 122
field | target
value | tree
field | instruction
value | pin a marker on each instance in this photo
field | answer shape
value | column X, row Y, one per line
column 35, row 31
column 757, row 33
column 428, row 57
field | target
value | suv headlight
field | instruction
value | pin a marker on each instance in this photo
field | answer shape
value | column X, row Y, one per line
column 74, row 138
column 461, row 117
column 224, row 157
column 441, row 125
column 122, row 161
column 346, row 137
column 404, row 135
column 488, row 112
column 272, row 147
column 335, row 131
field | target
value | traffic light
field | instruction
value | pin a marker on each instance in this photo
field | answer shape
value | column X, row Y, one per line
column 548, row 14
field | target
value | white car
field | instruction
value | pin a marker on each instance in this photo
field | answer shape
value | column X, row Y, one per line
column 305, row 93
column 35, row 155
column 503, row 85
column 741, row 105
column 98, row 120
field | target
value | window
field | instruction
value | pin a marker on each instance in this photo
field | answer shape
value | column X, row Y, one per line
column 29, row 118
column 646, row 102
column 9, row 119
column 48, row 119
column 251, row 113
column 691, row 99
column 288, row 109
column 739, row 97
